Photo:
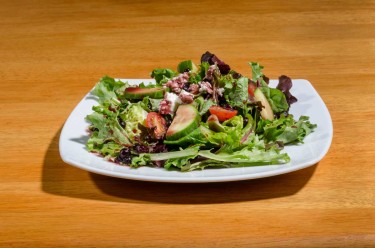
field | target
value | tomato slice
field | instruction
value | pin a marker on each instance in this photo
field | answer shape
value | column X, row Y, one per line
column 222, row 113
column 251, row 88
column 154, row 120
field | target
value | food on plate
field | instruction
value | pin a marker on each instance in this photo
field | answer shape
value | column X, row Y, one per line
column 197, row 117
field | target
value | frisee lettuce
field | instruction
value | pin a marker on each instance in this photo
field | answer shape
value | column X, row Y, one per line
column 161, row 76
column 108, row 88
column 285, row 129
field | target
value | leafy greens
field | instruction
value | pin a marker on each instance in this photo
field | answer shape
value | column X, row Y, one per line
column 122, row 128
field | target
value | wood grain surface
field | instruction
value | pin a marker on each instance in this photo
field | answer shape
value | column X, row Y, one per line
column 53, row 52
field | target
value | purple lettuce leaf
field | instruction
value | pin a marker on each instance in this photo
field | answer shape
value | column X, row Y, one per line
column 212, row 59
column 285, row 84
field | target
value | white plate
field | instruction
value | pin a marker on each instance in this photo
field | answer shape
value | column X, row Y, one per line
column 74, row 136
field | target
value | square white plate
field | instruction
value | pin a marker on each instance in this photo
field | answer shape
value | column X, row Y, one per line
column 74, row 136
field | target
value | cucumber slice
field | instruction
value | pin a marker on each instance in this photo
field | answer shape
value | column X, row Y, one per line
column 140, row 93
column 187, row 65
column 186, row 120
column 266, row 112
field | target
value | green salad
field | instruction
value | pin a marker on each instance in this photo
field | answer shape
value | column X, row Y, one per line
column 196, row 117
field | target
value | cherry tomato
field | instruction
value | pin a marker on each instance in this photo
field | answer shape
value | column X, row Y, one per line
column 154, row 120
column 251, row 88
column 222, row 113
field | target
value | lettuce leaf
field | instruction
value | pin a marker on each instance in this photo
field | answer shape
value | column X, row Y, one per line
column 108, row 149
column 194, row 78
column 150, row 104
column 285, row 129
column 203, row 68
column 178, row 162
column 256, row 70
column 230, row 138
column 133, row 115
column 285, row 84
column 161, row 76
column 140, row 160
column 236, row 93
column 107, row 126
column 257, row 74
column 108, row 88
column 248, row 156
column 276, row 99
column 173, row 159
column 203, row 105
column 107, row 121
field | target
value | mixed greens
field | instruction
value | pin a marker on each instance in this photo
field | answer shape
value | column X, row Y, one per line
column 196, row 117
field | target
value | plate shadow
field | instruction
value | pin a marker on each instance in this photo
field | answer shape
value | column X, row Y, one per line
column 61, row 179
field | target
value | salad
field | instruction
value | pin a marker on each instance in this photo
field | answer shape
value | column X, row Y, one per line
column 196, row 117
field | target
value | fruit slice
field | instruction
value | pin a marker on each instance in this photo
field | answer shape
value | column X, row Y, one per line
column 222, row 113
column 186, row 120
column 187, row 65
column 154, row 120
column 140, row 93
column 214, row 124
column 266, row 112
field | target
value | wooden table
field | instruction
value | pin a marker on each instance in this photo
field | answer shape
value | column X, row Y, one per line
column 51, row 54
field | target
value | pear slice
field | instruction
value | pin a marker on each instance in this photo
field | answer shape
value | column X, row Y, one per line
column 266, row 112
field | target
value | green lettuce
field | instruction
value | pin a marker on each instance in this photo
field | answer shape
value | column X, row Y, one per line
column 172, row 159
column 238, row 96
column 194, row 78
column 150, row 104
column 203, row 68
column 132, row 116
column 203, row 105
column 197, row 136
column 276, row 99
column 178, row 162
column 105, row 122
column 140, row 160
column 257, row 74
column 161, row 76
column 108, row 88
column 230, row 137
column 285, row 129
column 248, row 156
column 108, row 148
column 108, row 135
column 235, row 90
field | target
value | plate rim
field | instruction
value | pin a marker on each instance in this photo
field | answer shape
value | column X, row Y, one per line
column 170, row 179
